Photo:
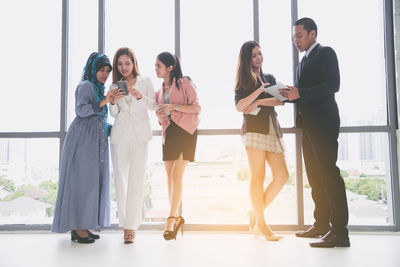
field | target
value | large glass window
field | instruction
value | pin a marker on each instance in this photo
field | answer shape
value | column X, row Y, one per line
column 30, row 56
column 210, row 42
column 147, row 30
column 364, row 163
column 28, row 180
column 83, row 33
column 276, row 44
column 360, row 50
column 155, row 202
column 216, row 186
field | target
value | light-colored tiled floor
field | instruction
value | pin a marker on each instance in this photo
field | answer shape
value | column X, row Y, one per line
column 206, row 249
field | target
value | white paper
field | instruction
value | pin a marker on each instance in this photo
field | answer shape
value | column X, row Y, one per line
column 255, row 111
column 274, row 91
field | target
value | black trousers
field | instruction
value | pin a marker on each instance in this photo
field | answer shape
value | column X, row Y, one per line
column 320, row 149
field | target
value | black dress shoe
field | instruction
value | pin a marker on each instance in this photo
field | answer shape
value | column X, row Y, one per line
column 79, row 239
column 94, row 236
column 312, row 232
column 331, row 240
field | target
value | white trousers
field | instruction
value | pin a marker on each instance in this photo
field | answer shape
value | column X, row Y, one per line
column 129, row 164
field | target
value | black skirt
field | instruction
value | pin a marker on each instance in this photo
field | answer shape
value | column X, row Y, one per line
column 178, row 141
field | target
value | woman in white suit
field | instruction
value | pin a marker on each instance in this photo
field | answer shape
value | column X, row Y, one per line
column 129, row 139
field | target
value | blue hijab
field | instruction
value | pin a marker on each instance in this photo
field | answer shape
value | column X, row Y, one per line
column 94, row 63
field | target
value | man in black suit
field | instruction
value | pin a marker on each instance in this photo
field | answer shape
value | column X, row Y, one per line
column 317, row 81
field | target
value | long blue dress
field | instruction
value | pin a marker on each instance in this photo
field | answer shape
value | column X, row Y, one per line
column 83, row 200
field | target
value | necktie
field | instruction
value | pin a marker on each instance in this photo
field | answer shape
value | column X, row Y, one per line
column 303, row 63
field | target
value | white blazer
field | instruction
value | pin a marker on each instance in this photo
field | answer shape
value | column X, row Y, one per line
column 131, row 114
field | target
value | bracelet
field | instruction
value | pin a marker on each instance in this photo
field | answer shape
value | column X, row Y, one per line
column 176, row 107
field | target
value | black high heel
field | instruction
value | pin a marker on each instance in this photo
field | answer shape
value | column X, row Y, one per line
column 168, row 234
column 94, row 236
column 181, row 222
column 83, row 240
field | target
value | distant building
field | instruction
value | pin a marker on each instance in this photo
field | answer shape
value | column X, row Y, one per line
column 34, row 192
column 343, row 152
column 23, row 206
column 4, row 192
column 4, row 151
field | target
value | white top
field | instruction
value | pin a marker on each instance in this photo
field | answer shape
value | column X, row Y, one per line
column 132, row 118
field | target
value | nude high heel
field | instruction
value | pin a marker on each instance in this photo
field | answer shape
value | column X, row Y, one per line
column 252, row 222
column 269, row 237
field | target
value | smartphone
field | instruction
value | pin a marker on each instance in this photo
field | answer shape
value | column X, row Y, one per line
column 123, row 87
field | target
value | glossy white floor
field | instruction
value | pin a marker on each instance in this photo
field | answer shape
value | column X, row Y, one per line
column 206, row 249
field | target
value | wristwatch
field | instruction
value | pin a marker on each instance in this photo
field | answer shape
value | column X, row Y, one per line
column 176, row 107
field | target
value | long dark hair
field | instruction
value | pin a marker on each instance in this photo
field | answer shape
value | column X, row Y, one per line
column 245, row 76
column 124, row 51
column 169, row 59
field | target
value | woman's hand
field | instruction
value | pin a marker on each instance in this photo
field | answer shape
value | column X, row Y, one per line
column 161, row 116
column 134, row 92
column 251, row 107
column 165, row 108
column 261, row 88
column 116, row 95
column 161, row 111
column 244, row 103
column 109, row 96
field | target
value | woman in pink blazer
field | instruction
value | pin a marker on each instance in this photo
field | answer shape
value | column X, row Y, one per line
column 177, row 113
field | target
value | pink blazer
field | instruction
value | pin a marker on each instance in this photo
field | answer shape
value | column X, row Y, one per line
column 185, row 95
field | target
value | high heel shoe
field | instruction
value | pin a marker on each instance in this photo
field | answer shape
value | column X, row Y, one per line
column 79, row 239
column 252, row 222
column 170, row 234
column 269, row 237
column 129, row 236
column 179, row 223
column 94, row 236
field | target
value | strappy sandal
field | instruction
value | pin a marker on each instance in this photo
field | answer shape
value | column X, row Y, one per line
column 129, row 236
column 170, row 233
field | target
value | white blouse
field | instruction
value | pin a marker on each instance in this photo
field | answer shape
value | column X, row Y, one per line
column 132, row 118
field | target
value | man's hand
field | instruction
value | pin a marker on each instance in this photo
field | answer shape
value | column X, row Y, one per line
column 291, row 94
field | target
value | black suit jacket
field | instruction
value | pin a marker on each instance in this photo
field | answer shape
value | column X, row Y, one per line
column 317, row 83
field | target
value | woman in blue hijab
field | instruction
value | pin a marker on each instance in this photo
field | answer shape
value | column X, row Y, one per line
column 83, row 200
